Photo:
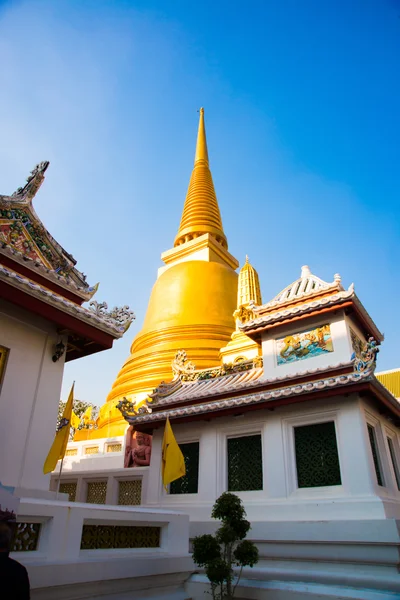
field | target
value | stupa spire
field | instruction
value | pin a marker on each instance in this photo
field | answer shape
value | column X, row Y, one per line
column 201, row 212
column 248, row 285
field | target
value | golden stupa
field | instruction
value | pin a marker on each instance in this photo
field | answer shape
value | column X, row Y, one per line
column 191, row 305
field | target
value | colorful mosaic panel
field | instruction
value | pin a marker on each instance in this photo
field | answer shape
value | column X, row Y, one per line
column 303, row 345
column 375, row 455
column 3, row 361
column 317, row 458
column 96, row 492
column 26, row 537
column 190, row 482
column 245, row 464
column 69, row 487
column 17, row 230
column 130, row 492
column 96, row 537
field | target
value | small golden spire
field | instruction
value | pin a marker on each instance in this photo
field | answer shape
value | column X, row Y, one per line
column 201, row 211
column 201, row 145
column 248, row 285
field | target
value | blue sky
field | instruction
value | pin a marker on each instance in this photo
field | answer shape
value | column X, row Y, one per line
column 302, row 114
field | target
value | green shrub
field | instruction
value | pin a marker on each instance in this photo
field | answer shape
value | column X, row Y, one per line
column 228, row 548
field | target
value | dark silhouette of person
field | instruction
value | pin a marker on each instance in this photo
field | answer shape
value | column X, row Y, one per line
column 14, row 580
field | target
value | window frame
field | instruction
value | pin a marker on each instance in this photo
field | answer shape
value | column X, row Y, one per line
column 383, row 462
column 393, row 468
column 289, row 426
column 243, row 430
column 3, row 363
column 191, row 494
column 183, row 498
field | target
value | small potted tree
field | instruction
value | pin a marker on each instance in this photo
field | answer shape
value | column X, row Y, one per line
column 219, row 554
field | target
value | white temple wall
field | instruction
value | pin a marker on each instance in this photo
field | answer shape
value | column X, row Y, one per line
column 387, row 440
column 281, row 498
column 31, row 389
column 342, row 348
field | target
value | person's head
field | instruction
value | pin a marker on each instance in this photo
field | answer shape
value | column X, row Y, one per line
column 140, row 439
column 6, row 536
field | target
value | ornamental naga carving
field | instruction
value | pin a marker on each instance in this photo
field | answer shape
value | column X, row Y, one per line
column 366, row 361
column 121, row 317
column 128, row 408
column 182, row 367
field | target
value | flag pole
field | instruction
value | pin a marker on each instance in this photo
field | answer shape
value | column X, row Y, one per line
column 59, row 478
column 62, row 460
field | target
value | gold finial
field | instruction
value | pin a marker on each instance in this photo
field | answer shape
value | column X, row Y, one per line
column 201, row 211
column 248, row 286
column 201, row 146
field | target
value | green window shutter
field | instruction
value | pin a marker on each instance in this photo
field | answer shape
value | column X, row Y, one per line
column 245, row 463
column 189, row 484
column 317, row 458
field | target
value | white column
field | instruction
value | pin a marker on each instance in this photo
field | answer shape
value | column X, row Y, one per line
column 153, row 491
column 208, row 460
column 273, row 457
column 354, row 449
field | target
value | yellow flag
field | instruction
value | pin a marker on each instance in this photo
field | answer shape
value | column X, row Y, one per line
column 87, row 414
column 75, row 420
column 57, row 450
column 173, row 463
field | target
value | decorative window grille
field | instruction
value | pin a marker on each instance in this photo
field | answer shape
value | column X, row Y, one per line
column 394, row 461
column 114, row 447
column 96, row 492
column 69, row 487
column 317, row 458
column 130, row 492
column 26, row 537
column 375, row 455
column 188, row 484
column 92, row 450
column 95, row 537
column 245, row 463
column 71, row 452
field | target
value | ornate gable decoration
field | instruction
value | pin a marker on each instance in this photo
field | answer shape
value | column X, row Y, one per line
column 23, row 236
column 307, row 285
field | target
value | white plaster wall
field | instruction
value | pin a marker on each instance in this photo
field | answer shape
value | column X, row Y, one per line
column 342, row 349
column 60, row 569
column 281, row 499
column 29, row 397
column 384, row 429
column 112, row 477
column 101, row 461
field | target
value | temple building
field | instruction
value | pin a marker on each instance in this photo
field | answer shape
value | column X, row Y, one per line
column 276, row 401
column 42, row 325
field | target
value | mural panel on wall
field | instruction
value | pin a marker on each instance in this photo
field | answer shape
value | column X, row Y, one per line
column 303, row 345
column 137, row 449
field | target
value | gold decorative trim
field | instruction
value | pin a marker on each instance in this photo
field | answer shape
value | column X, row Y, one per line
column 71, row 452
column 114, row 447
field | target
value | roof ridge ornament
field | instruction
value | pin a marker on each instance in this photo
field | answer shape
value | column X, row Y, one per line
column 182, row 367
column 119, row 316
column 33, row 181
